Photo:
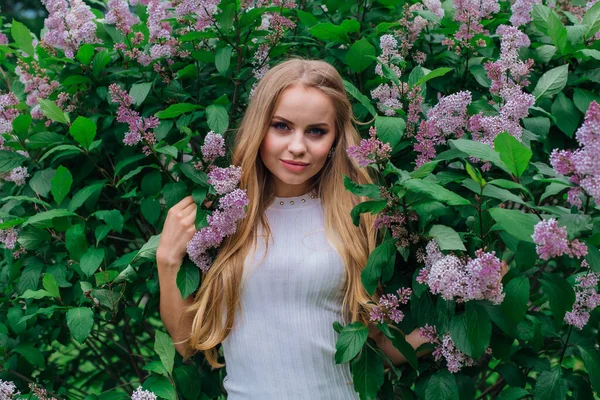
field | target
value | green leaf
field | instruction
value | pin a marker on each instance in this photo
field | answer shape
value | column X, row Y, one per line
column 357, row 57
column 160, row 386
column 552, row 82
column 379, row 259
column 198, row 177
column 10, row 160
column 513, row 153
column 515, row 222
column 85, row 54
column 223, row 59
column 436, row 192
column 21, row 125
column 540, row 15
column 513, row 393
column 329, row 32
column 583, row 98
column 175, row 110
column 374, row 207
column 22, row 37
column 49, row 283
column 136, row 171
column 471, row 331
column 83, row 131
column 113, row 218
column 557, row 32
column 447, row 238
column 424, row 170
column 362, row 99
column 91, row 260
column 164, row 347
column 433, row 74
column 31, row 354
column 36, row 294
column 148, row 250
column 40, row 220
column 400, row 343
column 550, row 385
column 82, row 195
column 101, row 60
column 80, row 322
column 442, row 385
column 479, row 150
column 188, row 380
column 61, row 184
column 368, row 373
column 52, row 111
column 591, row 19
column 139, row 92
column 591, row 359
column 188, row 278
column 560, row 294
column 516, row 299
column 567, row 116
column 350, row 342
column 390, row 130
column 217, row 118
column 367, row 190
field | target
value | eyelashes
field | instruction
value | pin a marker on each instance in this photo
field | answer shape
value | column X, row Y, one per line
column 279, row 125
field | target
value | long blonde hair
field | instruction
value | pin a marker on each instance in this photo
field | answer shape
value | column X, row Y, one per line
column 220, row 288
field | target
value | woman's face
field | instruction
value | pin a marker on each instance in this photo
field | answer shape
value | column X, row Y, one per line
column 302, row 131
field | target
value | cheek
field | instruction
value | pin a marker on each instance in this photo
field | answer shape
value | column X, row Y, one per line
column 269, row 147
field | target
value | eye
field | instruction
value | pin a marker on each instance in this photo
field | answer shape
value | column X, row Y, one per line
column 318, row 131
column 279, row 125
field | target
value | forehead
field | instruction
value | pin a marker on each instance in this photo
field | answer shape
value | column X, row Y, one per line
column 303, row 104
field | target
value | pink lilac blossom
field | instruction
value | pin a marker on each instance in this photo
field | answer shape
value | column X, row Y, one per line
column 582, row 165
column 40, row 392
column 157, row 12
column 18, row 175
column 7, row 112
column 69, row 25
column 551, row 241
column 446, row 349
column 222, row 223
column 9, row 237
column 463, row 280
column 225, row 180
column 214, row 147
column 3, row 39
column 370, row 151
column 142, row 394
column 119, row 15
column 138, row 126
column 470, row 13
column 37, row 85
column 396, row 224
column 8, row 390
column 388, row 98
column 415, row 108
column 388, row 308
column 447, row 119
column 435, row 6
column 521, row 11
column 587, row 298
column 202, row 11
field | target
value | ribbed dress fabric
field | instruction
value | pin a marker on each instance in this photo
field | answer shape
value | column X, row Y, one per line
column 282, row 345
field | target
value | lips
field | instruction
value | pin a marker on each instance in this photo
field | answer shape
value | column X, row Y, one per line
column 295, row 162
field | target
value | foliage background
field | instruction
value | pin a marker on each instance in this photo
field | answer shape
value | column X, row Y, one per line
column 79, row 291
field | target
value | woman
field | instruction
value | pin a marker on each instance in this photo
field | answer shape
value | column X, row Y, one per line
column 293, row 267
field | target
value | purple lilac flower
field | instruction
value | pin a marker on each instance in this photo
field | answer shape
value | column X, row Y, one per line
column 551, row 241
column 69, row 25
column 18, row 175
column 214, row 147
column 9, row 237
column 446, row 349
column 7, row 112
column 415, row 108
column 221, row 223
column 447, row 119
column 470, row 13
column 388, row 98
column 3, row 39
column 225, row 180
column 435, row 6
column 388, row 308
column 157, row 12
column 40, row 392
column 202, row 11
column 8, row 390
column 521, row 11
column 37, row 85
column 141, row 394
column 587, row 298
column 370, row 151
column 119, row 15
column 454, row 278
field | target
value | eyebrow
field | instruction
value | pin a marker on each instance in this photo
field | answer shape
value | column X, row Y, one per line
column 291, row 123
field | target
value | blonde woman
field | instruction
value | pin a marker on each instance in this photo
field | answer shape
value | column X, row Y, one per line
column 293, row 266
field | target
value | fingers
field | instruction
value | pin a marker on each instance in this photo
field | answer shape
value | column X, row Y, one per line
column 191, row 217
column 185, row 202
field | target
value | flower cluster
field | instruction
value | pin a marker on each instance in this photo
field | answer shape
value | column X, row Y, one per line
column 446, row 349
column 551, row 241
column 214, row 146
column 388, row 96
column 70, row 23
column 587, row 298
column 225, row 180
column 37, row 85
column 201, row 11
column 582, row 165
column 454, row 278
column 142, row 394
column 470, row 13
column 448, row 118
column 370, row 151
column 415, row 108
column 138, row 125
column 521, row 11
column 7, row 112
column 396, row 223
column 411, row 26
column 118, row 14
column 388, row 308
column 40, row 392
column 8, row 390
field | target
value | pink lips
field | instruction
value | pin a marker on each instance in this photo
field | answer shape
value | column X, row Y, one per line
column 294, row 166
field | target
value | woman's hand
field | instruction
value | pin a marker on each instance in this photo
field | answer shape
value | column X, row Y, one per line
column 178, row 230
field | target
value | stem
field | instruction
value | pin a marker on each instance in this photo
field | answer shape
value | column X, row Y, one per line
column 566, row 345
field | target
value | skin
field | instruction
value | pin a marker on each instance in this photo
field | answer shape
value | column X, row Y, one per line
column 302, row 129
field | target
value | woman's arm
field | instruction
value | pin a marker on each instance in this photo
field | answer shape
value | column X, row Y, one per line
column 414, row 339
column 172, row 306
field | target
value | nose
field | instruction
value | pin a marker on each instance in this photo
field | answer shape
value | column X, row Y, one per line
column 297, row 144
